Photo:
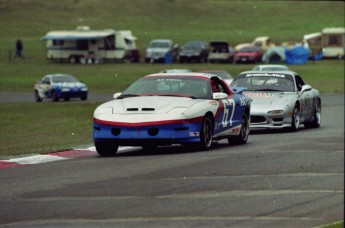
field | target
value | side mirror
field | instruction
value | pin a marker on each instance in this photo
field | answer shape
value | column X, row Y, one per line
column 116, row 95
column 306, row 88
column 217, row 96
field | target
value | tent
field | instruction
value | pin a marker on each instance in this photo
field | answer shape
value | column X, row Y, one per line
column 274, row 55
column 297, row 55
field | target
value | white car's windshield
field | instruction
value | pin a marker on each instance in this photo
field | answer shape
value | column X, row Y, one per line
column 64, row 78
column 170, row 86
column 265, row 83
column 159, row 45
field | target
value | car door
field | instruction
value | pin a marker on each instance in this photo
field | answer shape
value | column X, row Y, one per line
column 305, row 98
column 228, row 116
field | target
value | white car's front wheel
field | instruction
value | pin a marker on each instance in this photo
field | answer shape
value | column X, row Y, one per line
column 106, row 148
column 206, row 133
column 295, row 119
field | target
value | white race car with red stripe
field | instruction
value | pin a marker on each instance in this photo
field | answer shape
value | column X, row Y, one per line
column 174, row 108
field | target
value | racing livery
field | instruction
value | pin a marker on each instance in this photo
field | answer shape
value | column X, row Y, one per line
column 172, row 108
column 56, row 86
column 280, row 99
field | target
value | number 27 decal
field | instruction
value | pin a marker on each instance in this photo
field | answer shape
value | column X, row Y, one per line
column 227, row 106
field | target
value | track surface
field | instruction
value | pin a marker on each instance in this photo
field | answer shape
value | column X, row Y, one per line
column 278, row 179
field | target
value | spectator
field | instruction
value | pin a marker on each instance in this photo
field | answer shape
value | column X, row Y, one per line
column 19, row 49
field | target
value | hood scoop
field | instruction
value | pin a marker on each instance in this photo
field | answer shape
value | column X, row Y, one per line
column 137, row 109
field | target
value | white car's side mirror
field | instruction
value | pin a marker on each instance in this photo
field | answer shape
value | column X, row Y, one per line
column 306, row 88
column 217, row 96
column 116, row 95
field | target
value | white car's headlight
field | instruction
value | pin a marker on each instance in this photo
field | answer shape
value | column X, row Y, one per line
column 275, row 112
column 178, row 110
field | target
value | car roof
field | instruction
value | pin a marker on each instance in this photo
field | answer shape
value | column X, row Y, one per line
column 192, row 74
column 268, row 72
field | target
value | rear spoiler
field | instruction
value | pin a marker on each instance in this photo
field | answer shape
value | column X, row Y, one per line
column 239, row 90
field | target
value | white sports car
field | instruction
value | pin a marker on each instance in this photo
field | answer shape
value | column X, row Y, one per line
column 172, row 108
column 281, row 99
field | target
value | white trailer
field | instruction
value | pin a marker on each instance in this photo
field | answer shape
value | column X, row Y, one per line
column 91, row 46
column 331, row 41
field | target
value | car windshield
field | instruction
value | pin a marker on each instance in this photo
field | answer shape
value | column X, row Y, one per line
column 159, row 45
column 64, row 78
column 170, row 86
column 250, row 49
column 282, row 83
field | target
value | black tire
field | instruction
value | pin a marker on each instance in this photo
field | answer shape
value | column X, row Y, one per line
column 37, row 97
column 83, row 98
column 295, row 119
column 242, row 138
column 55, row 96
column 106, row 148
column 206, row 133
column 316, row 119
column 66, row 99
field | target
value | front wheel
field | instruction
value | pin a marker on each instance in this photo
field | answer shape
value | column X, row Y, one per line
column 206, row 133
column 295, row 119
column 106, row 148
column 242, row 138
column 37, row 97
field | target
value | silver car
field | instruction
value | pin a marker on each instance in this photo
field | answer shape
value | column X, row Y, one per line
column 280, row 99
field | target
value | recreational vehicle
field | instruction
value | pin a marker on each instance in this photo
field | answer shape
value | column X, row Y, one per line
column 331, row 41
column 91, row 46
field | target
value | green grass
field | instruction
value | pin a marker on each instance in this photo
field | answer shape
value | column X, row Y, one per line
column 44, row 127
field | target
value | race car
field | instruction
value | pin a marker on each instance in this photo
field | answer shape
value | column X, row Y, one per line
column 56, row 86
column 281, row 99
column 172, row 108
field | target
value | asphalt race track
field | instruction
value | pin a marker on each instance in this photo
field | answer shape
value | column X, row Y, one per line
column 278, row 179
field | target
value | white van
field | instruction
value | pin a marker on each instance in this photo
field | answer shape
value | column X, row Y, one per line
column 91, row 46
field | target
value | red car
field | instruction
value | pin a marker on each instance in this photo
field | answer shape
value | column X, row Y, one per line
column 249, row 54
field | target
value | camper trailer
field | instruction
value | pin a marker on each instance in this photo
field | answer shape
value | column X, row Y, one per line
column 331, row 41
column 91, row 46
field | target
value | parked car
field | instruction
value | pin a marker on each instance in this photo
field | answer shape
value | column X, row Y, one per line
column 175, row 71
column 57, row 86
column 194, row 51
column 221, row 52
column 161, row 50
column 271, row 67
column 248, row 54
column 281, row 99
column 226, row 76
column 164, row 109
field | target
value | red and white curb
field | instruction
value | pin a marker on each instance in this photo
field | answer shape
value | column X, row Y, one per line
column 44, row 158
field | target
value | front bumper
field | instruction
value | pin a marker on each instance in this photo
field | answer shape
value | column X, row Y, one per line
column 147, row 135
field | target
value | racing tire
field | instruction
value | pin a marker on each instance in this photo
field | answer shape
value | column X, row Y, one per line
column 55, row 97
column 206, row 133
column 295, row 119
column 83, row 98
column 316, row 119
column 37, row 97
column 242, row 138
column 106, row 149
column 66, row 99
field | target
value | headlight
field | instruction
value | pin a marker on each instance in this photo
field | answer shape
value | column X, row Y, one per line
column 65, row 89
column 275, row 112
column 84, row 89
